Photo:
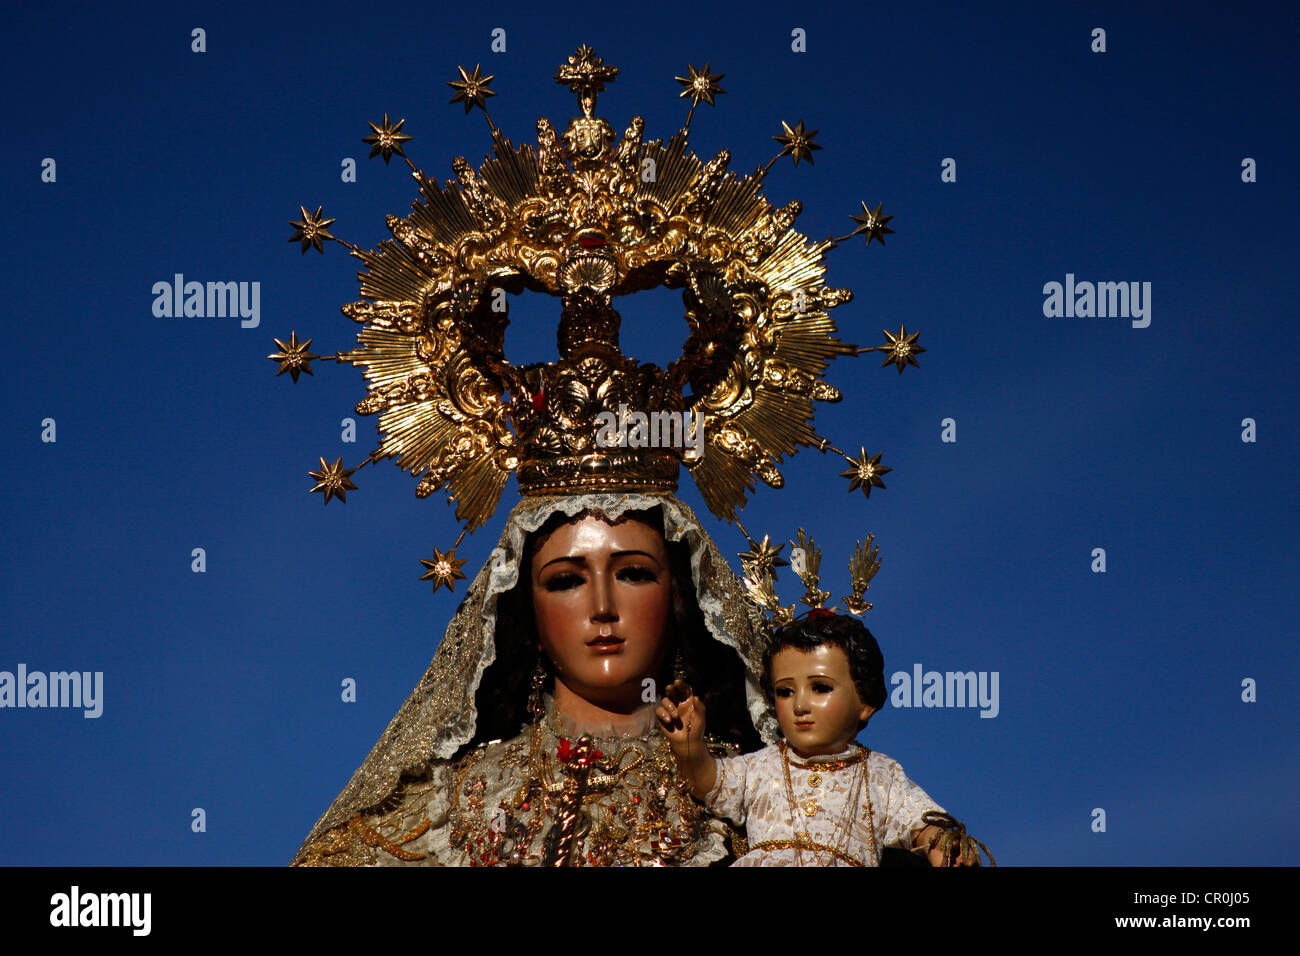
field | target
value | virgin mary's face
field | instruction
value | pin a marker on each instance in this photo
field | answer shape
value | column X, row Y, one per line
column 603, row 600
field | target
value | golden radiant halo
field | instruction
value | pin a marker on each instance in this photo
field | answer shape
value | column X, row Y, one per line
column 585, row 217
column 579, row 221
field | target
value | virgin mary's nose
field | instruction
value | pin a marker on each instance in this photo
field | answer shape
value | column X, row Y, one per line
column 602, row 604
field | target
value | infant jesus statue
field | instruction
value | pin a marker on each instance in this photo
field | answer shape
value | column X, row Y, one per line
column 816, row 798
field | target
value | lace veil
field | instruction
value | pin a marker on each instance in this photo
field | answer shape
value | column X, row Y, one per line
column 440, row 716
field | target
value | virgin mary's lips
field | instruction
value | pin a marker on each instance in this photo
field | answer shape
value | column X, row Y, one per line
column 606, row 645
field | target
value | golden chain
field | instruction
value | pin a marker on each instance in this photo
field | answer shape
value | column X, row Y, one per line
column 807, row 845
column 612, row 837
column 844, row 827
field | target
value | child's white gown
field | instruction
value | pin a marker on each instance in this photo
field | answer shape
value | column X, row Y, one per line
column 827, row 825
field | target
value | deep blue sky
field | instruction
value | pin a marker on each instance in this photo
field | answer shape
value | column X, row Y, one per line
column 1119, row 690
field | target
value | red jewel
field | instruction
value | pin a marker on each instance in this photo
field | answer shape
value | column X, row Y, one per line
column 592, row 242
column 568, row 753
column 539, row 400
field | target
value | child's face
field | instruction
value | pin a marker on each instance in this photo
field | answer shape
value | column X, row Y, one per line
column 817, row 703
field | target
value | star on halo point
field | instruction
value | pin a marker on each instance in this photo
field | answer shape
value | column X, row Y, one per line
column 386, row 139
column 763, row 558
column 865, row 473
column 472, row 88
column 797, row 142
column 333, row 480
column 872, row 223
column 312, row 230
column 294, row 357
column 700, row 85
column 902, row 348
column 443, row 569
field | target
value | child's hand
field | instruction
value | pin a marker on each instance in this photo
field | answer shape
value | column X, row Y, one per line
column 681, row 715
column 931, row 844
column 937, row 858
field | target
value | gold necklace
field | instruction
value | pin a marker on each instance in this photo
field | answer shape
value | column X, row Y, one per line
column 634, row 810
column 843, row 828
column 836, row 764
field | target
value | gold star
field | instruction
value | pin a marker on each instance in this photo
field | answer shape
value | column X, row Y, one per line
column 700, row 85
column 762, row 558
column 872, row 223
column 472, row 90
column 386, row 139
column 333, row 480
column 311, row 230
column 865, row 472
column 444, row 569
column 293, row 357
column 902, row 348
column 797, row 142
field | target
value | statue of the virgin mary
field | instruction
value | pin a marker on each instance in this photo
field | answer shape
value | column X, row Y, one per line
column 590, row 606
column 530, row 740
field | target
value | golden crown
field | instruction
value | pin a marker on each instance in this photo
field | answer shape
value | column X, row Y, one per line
column 762, row 559
column 585, row 218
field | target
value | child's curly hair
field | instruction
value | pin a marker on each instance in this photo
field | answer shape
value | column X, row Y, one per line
column 866, row 663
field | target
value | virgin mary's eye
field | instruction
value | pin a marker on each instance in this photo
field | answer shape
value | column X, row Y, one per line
column 637, row 572
column 784, row 691
column 562, row 581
